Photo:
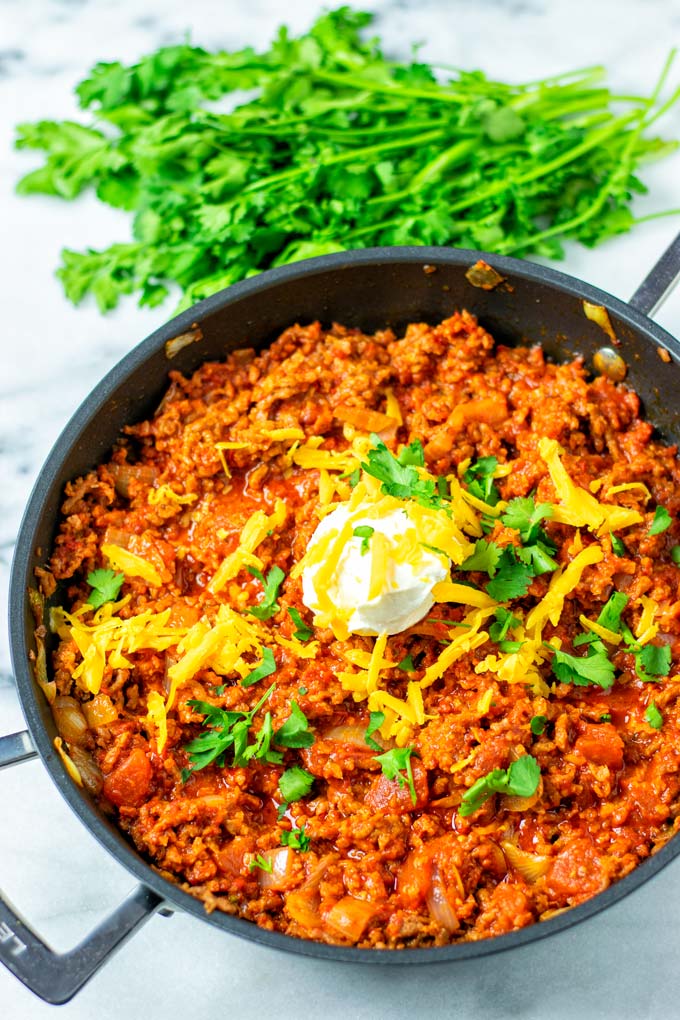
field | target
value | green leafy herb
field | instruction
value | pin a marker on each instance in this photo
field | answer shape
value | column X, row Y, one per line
column 407, row 664
column 504, row 621
column 353, row 478
column 303, row 632
column 295, row 783
column 296, row 839
column 653, row 661
column 261, row 862
column 395, row 763
column 479, row 479
column 302, row 691
column 593, row 668
column 538, row 724
column 525, row 516
column 520, row 780
column 266, row 668
column 662, row 521
column 375, row 721
column 105, row 586
column 618, row 546
column 268, row 606
column 295, row 731
column 364, row 532
column 606, row 717
column 399, row 476
column 512, row 578
column 227, row 730
column 675, row 554
column 653, row 716
column 485, row 557
column 609, row 617
column 340, row 147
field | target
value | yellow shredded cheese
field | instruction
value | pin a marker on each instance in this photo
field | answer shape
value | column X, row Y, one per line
column 610, row 636
column 392, row 409
column 561, row 584
column 254, row 531
column 164, row 494
column 157, row 718
column 449, row 591
column 131, row 564
column 646, row 628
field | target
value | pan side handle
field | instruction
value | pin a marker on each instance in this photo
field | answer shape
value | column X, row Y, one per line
column 56, row 977
column 659, row 281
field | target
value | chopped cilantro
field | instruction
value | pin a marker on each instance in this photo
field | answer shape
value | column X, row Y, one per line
column 407, row 664
column 504, row 621
column 435, row 549
column 261, row 862
column 268, row 606
column 662, row 521
column 510, row 646
column 520, row 780
column 610, row 614
column 302, row 691
column 675, row 554
column 653, row 661
column 538, row 557
column 485, row 557
column 375, row 721
column 303, row 632
column 399, row 476
column 105, row 586
column 364, row 532
column 523, row 515
column 295, row 783
column 227, row 730
column 618, row 546
column 295, row 731
column 606, row 717
column 653, row 716
column 538, row 724
column 593, row 668
column 512, row 579
column 479, row 480
column 266, row 668
column 353, row 477
column 296, row 839
column 393, row 763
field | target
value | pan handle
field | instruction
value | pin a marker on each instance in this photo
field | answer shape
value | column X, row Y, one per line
column 659, row 281
column 56, row 977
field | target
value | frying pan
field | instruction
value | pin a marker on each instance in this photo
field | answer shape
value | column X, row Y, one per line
column 371, row 288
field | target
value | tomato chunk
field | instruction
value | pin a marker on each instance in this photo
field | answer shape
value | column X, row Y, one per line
column 601, row 745
column 129, row 783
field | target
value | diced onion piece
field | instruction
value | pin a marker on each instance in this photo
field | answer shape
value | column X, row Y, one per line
column 438, row 903
column 69, row 720
column 89, row 771
column 281, row 860
column 530, row 866
column 511, row 803
column 100, row 711
column 348, row 734
column 350, row 917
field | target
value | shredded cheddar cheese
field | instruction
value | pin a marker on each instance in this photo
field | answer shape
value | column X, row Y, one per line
column 131, row 564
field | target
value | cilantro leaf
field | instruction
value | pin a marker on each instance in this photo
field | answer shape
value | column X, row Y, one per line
column 479, row 479
column 295, row 783
column 675, row 554
column 593, row 668
column 537, row 557
column 225, row 730
column 503, row 622
column 295, row 731
column 653, row 716
column 375, row 721
column 524, row 515
column 407, row 664
column 618, row 546
column 296, row 839
column 520, row 780
column 364, row 532
column 610, row 614
column 654, row 660
column 399, row 476
column 303, row 632
column 268, row 606
column 266, row 668
column 394, row 763
column 662, row 521
column 105, row 585
column 538, row 724
column 512, row 578
column 261, row 862
column 485, row 557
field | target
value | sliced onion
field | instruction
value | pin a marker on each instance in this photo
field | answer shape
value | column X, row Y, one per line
column 281, row 860
column 530, row 866
column 350, row 917
column 70, row 720
column 100, row 711
column 348, row 734
column 91, row 775
column 438, row 903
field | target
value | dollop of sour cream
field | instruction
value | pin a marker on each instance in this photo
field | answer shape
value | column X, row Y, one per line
column 379, row 584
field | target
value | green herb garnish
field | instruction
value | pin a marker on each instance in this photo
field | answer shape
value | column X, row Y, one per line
column 399, row 476
column 479, row 479
column 295, row 783
column 653, row 716
column 296, row 839
column 525, row 516
column 395, row 763
column 261, row 862
column 593, row 668
column 375, row 721
column 675, row 554
column 105, row 585
column 662, row 521
column 266, row 668
column 407, row 664
column 653, row 661
column 485, row 557
column 538, row 724
column 295, row 731
column 618, row 546
column 228, row 730
column 364, row 532
column 303, row 632
column 520, row 780
column 504, row 621
column 271, row 584
column 511, row 579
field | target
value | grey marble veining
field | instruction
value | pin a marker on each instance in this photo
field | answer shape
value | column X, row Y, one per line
column 622, row 964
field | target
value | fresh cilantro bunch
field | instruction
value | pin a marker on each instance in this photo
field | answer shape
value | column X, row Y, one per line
column 341, row 147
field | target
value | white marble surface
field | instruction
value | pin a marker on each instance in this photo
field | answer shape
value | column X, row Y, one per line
column 622, row 964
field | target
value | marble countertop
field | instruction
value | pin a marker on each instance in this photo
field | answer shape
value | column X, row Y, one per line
column 619, row 964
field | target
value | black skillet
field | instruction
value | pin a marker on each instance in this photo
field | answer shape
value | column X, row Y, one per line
column 370, row 289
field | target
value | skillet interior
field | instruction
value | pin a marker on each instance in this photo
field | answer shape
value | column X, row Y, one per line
column 368, row 289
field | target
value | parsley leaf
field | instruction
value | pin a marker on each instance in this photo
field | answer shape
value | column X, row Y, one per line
column 512, row 578
column 266, row 668
column 653, row 716
column 261, row 862
column 520, row 780
column 268, row 606
column 485, row 557
column 593, row 668
column 610, row 614
column 675, row 554
column 105, row 585
column 295, row 731
column 375, row 721
column 364, row 532
column 523, row 515
column 538, row 724
column 479, row 479
column 295, row 783
column 393, row 763
column 296, row 839
column 303, row 632
column 662, row 521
